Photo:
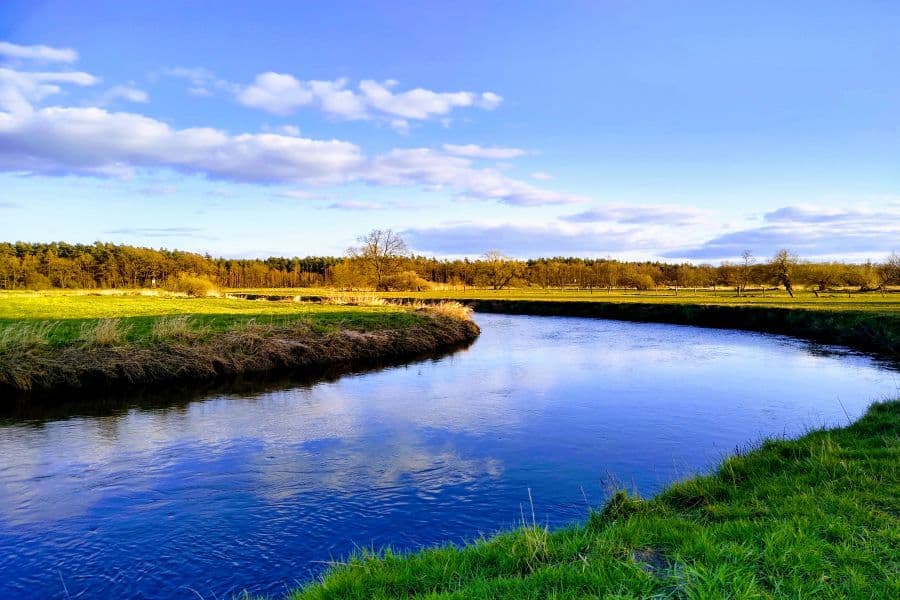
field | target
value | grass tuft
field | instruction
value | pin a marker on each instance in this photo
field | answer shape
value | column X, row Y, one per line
column 26, row 335
column 103, row 332
column 182, row 328
column 354, row 299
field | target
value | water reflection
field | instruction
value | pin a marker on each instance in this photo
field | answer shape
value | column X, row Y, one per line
column 254, row 487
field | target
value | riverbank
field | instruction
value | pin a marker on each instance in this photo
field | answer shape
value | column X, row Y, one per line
column 60, row 342
column 871, row 331
column 812, row 517
column 869, row 322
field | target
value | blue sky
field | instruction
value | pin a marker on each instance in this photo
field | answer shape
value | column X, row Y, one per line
column 688, row 130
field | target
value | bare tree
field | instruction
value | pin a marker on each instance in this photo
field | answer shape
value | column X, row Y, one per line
column 782, row 265
column 382, row 251
column 747, row 259
column 889, row 271
column 498, row 270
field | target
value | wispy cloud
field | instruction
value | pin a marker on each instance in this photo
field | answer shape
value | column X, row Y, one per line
column 355, row 205
column 490, row 153
column 157, row 231
column 423, row 166
column 283, row 94
column 525, row 240
column 37, row 53
column 19, row 89
column 812, row 232
column 623, row 213
column 58, row 140
column 128, row 92
column 202, row 82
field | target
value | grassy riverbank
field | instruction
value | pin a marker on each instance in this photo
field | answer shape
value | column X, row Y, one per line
column 865, row 321
column 68, row 340
column 814, row 517
column 830, row 301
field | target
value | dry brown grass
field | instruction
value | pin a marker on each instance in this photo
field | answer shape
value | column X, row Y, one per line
column 355, row 299
column 26, row 335
column 103, row 332
column 451, row 309
column 179, row 327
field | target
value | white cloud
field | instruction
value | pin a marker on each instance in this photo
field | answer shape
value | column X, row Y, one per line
column 416, row 104
column 541, row 176
column 336, row 100
column 296, row 194
column 423, row 166
column 489, row 100
column 276, row 93
column 18, row 89
column 812, row 232
column 661, row 214
column 524, row 241
column 96, row 141
column 490, row 153
column 124, row 92
column 282, row 94
column 202, row 81
column 355, row 205
column 93, row 140
column 400, row 126
column 196, row 75
column 38, row 53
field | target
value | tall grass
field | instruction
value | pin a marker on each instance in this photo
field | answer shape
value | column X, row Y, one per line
column 178, row 328
column 447, row 308
column 26, row 335
column 103, row 332
column 354, row 299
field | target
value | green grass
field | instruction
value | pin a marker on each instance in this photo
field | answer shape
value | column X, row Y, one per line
column 832, row 300
column 865, row 321
column 817, row 517
column 65, row 317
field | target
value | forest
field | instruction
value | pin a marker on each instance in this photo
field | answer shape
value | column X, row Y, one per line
column 37, row 266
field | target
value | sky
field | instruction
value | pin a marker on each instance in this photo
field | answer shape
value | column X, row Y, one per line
column 628, row 129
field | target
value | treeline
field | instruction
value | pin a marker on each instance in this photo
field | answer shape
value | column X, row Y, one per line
column 79, row 266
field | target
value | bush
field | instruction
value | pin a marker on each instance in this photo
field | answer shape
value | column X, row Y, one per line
column 192, row 285
column 405, row 281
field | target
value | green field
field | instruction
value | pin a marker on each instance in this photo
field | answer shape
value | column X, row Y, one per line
column 64, row 316
column 832, row 300
column 817, row 517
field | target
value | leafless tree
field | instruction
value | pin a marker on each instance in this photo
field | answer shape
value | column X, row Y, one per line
column 747, row 259
column 889, row 271
column 498, row 270
column 382, row 251
column 782, row 265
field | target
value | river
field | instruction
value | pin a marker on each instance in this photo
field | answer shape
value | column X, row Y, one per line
column 257, row 489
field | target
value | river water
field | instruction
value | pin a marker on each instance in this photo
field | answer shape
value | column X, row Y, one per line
column 256, row 490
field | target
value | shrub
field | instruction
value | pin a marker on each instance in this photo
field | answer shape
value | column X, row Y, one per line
column 192, row 285
column 405, row 281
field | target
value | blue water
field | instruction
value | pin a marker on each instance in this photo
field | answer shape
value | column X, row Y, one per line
column 258, row 490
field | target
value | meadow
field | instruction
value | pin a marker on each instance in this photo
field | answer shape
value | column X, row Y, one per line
column 873, row 301
column 66, row 317
column 75, row 339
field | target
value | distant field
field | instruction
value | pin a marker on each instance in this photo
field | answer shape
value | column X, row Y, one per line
column 838, row 301
column 64, row 315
